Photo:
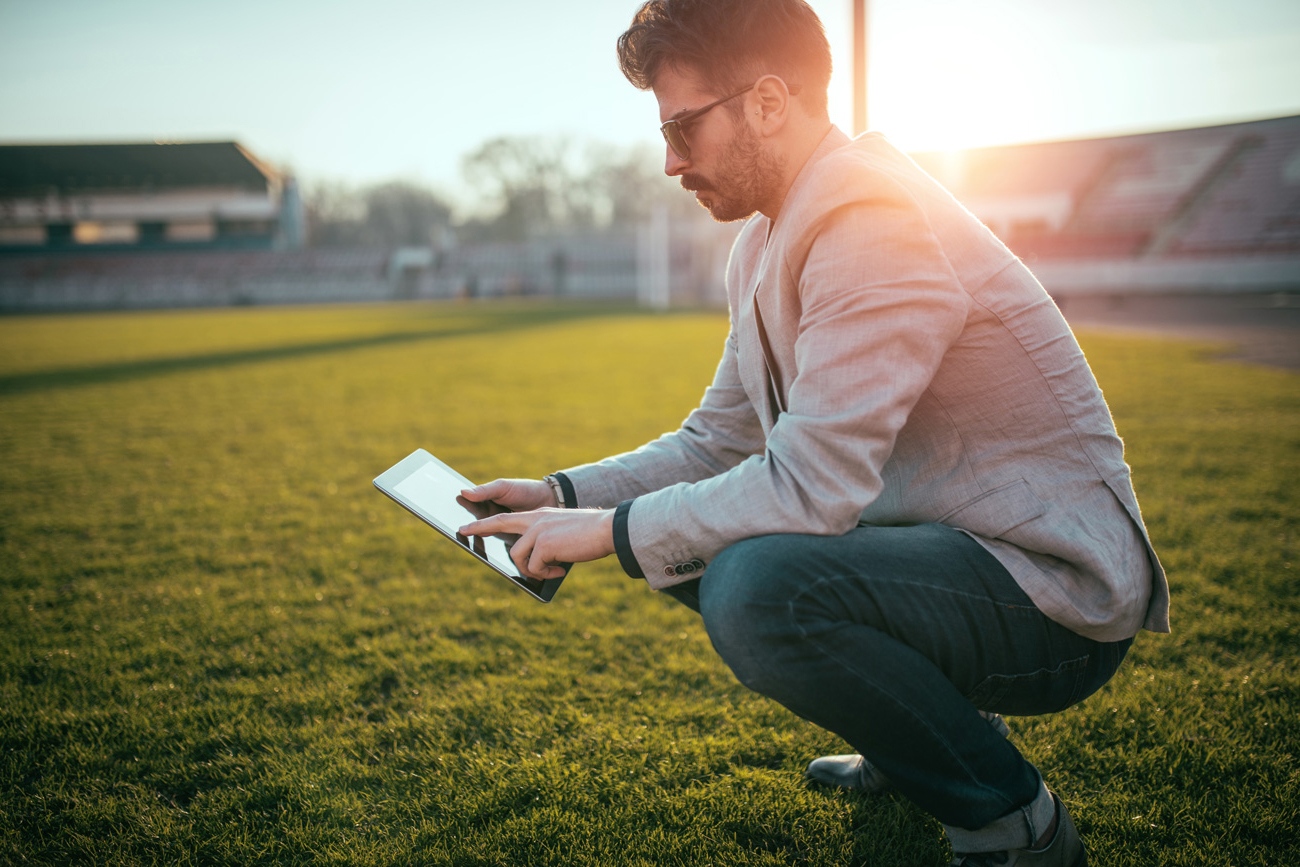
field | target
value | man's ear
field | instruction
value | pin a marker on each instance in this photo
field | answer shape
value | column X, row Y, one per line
column 771, row 104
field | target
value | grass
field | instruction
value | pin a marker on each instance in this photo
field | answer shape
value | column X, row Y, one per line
column 220, row 645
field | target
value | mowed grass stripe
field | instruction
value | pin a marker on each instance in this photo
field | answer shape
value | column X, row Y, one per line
column 219, row 644
column 455, row 320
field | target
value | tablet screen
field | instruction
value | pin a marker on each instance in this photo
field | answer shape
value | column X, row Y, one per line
column 431, row 490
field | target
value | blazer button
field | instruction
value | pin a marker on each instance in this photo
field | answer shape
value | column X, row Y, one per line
column 669, row 571
column 698, row 564
column 688, row 568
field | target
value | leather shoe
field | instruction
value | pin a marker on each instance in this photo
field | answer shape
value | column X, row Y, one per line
column 1065, row 849
column 855, row 772
column 847, row 772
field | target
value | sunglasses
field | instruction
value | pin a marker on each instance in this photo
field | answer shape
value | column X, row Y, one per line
column 674, row 131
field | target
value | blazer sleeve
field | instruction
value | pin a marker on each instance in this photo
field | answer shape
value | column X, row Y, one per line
column 879, row 307
column 716, row 436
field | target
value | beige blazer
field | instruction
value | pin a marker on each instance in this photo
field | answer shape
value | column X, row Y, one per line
column 915, row 371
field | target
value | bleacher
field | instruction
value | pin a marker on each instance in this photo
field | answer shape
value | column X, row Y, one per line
column 190, row 278
column 1210, row 209
column 1231, row 190
column 597, row 266
column 1256, row 206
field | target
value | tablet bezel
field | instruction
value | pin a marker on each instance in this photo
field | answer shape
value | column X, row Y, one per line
column 388, row 481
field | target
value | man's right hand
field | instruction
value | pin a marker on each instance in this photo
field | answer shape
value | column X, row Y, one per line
column 513, row 495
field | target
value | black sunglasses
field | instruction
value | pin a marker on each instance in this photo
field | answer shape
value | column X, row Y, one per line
column 674, row 132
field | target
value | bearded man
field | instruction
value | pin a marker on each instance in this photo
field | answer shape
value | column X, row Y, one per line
column 901, row 508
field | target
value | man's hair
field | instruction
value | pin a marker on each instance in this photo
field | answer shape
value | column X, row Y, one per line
column 728, row 44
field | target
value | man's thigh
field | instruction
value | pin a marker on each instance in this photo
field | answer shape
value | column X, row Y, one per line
column 929, row 587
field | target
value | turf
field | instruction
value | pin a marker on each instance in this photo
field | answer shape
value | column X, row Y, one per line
column 220, row 645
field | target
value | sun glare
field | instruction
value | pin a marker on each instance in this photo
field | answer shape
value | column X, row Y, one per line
column 975, row 80
column 967, row 83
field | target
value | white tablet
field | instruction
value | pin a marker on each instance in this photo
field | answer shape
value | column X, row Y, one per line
column 431, row 490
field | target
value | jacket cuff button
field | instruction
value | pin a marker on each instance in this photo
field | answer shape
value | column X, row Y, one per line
column 670, row 571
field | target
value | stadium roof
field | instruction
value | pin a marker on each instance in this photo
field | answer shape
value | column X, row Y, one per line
column 68, row 169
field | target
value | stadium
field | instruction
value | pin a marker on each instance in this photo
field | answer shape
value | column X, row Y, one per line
column 220, row 644
column 1207, row 210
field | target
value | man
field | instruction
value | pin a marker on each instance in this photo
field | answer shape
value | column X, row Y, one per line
column 901, row 508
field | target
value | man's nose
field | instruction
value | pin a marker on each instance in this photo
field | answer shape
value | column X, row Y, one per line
column 674, row 165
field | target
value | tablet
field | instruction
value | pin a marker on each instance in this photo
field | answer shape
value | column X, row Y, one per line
column 431, row 490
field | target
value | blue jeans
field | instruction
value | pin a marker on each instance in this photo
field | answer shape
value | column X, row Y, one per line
column 892, row 638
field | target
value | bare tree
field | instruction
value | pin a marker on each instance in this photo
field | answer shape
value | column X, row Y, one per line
column 629, row 183
column 392, row 214
column 533, row 183
column 334, row 213
column 539, row 186
column 400, row 214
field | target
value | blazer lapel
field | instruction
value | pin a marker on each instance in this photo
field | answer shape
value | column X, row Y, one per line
column 772, row 373
column 773, row 386
column 767, row 394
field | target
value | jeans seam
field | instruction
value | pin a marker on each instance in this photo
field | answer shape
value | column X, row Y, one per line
column 845, row 665
column 1080, row 680
column 1075, row 665
column 952, row 592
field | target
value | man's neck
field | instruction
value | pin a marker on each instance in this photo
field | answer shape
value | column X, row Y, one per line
column 794, row 155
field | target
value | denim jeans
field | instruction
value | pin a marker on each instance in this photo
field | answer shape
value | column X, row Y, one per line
column 892, row 638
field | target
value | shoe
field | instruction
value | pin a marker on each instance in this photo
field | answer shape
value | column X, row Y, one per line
column 847, row 772
column 855, row 772
column 1065, row 849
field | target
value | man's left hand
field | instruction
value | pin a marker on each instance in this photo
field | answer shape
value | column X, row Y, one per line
column 549, row 537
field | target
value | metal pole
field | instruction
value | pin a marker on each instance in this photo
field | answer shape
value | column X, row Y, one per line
column 859, row 66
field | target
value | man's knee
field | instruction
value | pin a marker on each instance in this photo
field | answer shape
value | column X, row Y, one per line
column 742, row 605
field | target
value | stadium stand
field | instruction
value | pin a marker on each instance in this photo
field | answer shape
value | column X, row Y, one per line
column 203, row 195
column 606, row 265
column 1256, row 205
column 1203, row 210
column 1231, row 189
column 191, row 278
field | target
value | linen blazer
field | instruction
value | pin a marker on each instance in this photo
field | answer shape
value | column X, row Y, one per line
column 891, row 362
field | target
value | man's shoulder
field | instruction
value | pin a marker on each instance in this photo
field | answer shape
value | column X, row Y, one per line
column 871, row 149
column 866, row 168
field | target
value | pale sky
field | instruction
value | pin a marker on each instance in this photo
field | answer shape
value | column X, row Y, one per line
column 367, row 91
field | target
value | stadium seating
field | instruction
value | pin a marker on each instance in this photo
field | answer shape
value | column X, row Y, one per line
column 1222, row 190
column 155, row 278
column 1256, row 207
column 1157, row 210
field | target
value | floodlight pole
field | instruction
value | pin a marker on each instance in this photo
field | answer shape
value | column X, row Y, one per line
column 859, row 66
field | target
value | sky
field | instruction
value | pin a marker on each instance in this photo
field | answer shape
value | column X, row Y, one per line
column 361, row 92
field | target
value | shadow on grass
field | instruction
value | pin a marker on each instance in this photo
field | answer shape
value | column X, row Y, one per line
column 46, row 380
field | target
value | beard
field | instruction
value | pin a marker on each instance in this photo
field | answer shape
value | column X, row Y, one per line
column 747, row 176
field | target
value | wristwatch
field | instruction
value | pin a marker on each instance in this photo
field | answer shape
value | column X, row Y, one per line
column 557, row 488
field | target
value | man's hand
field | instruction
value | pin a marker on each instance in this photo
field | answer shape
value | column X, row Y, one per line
column 513, row 495
column 549, row 537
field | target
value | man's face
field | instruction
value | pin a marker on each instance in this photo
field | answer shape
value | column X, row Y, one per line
column 729, row 169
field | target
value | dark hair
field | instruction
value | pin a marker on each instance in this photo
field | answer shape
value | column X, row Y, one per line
column 728, row 44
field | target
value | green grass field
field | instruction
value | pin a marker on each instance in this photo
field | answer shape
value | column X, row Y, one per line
column 220, row 645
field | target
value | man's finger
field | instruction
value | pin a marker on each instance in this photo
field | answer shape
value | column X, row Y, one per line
column 521, row 551
column 491, row 525
column 540, row 567
column 536, row 563
column 487, row 491
column 516, row 523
